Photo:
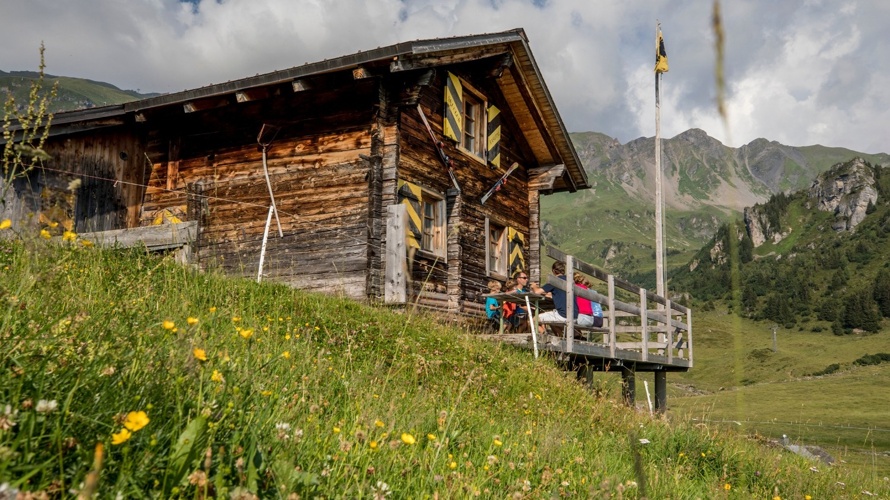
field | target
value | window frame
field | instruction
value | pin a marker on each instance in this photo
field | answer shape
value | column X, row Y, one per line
column 474, row 105
column 436, row 236
column 497, row 250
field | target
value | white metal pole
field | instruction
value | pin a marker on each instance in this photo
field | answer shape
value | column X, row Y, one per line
column 259, row 274
column 531, row 321
column 271, row 195
column 648, row 397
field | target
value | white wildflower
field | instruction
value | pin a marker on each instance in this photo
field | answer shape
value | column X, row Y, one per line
column 381, row 490
column 44, row 406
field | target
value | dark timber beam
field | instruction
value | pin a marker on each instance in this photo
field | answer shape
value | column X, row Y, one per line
column 661, row 391
column 409, row 62
column 203, row 104
column 248, row 95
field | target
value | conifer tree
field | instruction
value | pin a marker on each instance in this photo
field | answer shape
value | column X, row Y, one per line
column 881, row 292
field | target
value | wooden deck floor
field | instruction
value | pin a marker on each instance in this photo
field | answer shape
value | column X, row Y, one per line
column 597, row 355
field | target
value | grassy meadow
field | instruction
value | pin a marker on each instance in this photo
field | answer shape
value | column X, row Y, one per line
column 738, row 380
column 126, row 375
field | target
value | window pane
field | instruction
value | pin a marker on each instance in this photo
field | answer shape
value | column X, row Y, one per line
column 494, row 249
column 429, row 226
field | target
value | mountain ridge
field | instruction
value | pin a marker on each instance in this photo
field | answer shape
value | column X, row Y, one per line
column 705, row 183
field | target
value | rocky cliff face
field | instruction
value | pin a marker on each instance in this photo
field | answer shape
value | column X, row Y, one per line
column 846, row 190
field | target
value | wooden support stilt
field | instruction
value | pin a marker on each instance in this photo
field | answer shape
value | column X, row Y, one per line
column 660, row 391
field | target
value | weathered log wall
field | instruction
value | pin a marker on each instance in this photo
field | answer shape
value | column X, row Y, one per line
column 108, row 168
column 320, row 180
column 419, row 163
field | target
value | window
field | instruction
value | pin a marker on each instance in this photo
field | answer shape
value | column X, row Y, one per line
column 496, row 249
column 425, row 224
column 466, row 120
column 474, row 124
column 433, row 224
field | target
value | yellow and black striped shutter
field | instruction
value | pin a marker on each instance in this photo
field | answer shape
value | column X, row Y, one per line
column 454, row 105
column 409, row 195
column 515, row 246
column 494, row 136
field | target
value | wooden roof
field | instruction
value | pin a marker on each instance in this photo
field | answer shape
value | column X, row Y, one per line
column 520, row 81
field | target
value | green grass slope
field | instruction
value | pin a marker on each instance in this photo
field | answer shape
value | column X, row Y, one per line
column 810, row 388
column 126, row 375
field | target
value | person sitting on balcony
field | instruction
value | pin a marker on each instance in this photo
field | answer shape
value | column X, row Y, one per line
column 590, row 313
column 511, row 309
column 492, row 306
column 558, row 314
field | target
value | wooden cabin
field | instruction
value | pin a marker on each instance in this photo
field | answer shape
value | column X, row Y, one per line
column 326, row 174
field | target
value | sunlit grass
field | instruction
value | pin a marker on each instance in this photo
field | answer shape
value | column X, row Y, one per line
column 741, row 379
column 131, row 376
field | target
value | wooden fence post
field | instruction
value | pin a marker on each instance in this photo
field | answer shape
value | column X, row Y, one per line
column 570, row 303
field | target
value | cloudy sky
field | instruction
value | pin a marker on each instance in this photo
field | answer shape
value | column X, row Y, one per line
column 800, row 72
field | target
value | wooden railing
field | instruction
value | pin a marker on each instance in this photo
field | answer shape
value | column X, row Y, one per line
column 627, row 325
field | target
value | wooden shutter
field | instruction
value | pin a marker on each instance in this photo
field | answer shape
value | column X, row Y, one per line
column 493, row 151
column 410, row 195
column 515, row 248
column 453, row 117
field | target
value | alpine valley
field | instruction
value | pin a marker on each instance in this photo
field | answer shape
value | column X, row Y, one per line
column 706, row 184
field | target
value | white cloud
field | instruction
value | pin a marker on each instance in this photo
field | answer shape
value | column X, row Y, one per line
column 798, row 71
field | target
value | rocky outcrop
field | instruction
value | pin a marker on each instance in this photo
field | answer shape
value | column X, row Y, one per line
column 758, row 227
column 846, row 189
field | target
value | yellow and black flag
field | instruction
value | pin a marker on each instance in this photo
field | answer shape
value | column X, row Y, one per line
column 661, row 57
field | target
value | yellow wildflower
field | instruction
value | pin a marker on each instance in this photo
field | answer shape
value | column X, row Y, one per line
column 192, row 321
column 285, row 355
column 336, row 430
column 6, row 224
column 266, row 393
column 45, row 235
column 216, row 376
column 452, row 465
column 168, row 325
column 431, row 437
column 213, row 309
column 136, row 420
column 120, row 437
column 498, row 442
column 236, row 319
column 86, row 243
column 199, row 354
column 53, row 225
column 69, row 236
column 408, row 438
column 378, row 423
column 246, row 333
column 373, row 445
column 727, row 486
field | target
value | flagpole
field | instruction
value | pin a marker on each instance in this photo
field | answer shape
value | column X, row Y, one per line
column 659, row 202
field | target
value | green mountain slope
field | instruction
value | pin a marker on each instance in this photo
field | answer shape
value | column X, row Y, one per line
column 706, row 184
column 73, row 93
column 809, row 268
